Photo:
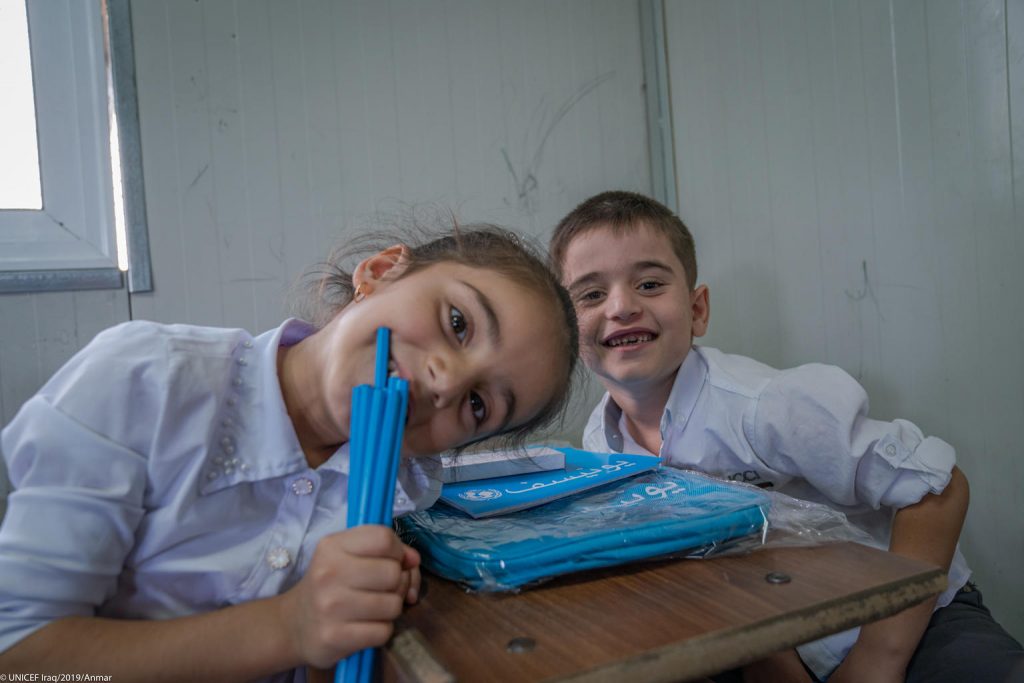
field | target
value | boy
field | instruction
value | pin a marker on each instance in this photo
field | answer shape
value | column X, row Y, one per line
column 630, row 267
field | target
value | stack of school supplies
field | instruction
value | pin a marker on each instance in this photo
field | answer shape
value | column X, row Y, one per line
column 661, row 513
column 581, row 471
column 375, row 445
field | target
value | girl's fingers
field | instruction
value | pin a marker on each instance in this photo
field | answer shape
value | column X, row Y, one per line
column 411, row 558
column 361, row 635
column 370, row 540
column 412, row 595
column 372, row 574
column 372, row 607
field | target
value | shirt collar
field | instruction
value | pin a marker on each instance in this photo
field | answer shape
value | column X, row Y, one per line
column 686, row 388
column 254, row 438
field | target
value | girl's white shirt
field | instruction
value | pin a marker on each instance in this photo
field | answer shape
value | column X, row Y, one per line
column 157, row 474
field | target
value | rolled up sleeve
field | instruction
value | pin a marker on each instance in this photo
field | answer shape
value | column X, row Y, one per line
column 70, row 521
column 812, row 422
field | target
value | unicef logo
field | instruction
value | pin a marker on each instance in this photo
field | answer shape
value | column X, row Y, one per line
column 480, row 494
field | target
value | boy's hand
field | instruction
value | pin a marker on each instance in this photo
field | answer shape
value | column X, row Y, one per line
column 863, row 665
column 781, row 667
column 354, row 589
column 927, row 530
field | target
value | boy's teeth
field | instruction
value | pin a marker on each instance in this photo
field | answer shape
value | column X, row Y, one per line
column 631, row 339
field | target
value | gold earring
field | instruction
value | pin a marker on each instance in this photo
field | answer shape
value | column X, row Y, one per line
column 363, row 290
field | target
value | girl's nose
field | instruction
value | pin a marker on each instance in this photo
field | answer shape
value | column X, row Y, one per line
column 445, row 380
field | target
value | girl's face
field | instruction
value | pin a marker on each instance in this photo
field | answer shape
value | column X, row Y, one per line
column 472, row 344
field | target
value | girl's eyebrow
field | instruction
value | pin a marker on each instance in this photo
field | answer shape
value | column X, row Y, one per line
column 493, row 326
column 494, row 332
column 510, row 409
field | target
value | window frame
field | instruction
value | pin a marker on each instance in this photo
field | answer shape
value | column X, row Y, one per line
column 71, row 242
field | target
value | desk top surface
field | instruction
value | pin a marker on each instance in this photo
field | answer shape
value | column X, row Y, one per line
column 656, row 621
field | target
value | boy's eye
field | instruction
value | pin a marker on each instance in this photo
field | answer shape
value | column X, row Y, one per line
column 649, row 285
column 478, row 407
column 458, row 323
column 590, row 296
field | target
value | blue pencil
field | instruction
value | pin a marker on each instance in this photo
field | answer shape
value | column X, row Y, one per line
column 394, row 456
column 375, row 443
column 380, row 377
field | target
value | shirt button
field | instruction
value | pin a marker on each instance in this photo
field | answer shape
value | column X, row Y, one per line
column 302, row 487
column 279, row 558
column 890, row 449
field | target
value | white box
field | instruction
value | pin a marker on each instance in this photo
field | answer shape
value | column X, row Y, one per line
column 488, row 464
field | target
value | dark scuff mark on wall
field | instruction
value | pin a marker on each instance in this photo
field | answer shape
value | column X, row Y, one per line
column 524, row 176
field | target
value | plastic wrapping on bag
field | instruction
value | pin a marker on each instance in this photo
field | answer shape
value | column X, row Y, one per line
column 667, row 512
column 794, row 523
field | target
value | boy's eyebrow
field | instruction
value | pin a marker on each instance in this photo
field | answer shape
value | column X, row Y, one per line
column 584, row 280
column 660, row 265
column 596, row 276
column 494, row 332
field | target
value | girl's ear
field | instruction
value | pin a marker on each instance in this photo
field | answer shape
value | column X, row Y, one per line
column 383, row 267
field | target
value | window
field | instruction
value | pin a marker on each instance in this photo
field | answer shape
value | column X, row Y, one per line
column 68, row 65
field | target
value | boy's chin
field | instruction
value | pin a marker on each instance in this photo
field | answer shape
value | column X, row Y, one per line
column 626, row 377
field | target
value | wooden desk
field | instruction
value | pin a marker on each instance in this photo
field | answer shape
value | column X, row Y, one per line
column 665, row 621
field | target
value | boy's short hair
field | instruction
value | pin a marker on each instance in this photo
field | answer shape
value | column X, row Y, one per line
column 623, row 211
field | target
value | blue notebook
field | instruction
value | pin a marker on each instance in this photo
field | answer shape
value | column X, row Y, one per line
column 666, row 512
column 583, row 470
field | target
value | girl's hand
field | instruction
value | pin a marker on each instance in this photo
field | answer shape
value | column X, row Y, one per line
column 354, row 589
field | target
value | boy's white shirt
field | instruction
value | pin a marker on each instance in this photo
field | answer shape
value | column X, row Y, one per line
column 805, row 432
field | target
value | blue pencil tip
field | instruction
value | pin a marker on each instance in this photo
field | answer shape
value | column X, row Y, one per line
column 380, row 377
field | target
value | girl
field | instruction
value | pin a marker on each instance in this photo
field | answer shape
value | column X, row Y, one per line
column 179, row 492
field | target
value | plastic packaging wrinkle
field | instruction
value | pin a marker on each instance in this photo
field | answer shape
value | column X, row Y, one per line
column 665, row 514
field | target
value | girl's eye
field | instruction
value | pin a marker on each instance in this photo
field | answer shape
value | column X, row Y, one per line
column 458, row 323
column 477, row 406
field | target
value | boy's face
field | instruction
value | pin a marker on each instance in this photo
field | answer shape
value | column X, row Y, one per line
column 637, row 316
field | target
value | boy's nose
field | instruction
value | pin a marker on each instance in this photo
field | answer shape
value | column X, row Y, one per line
column 622, row 304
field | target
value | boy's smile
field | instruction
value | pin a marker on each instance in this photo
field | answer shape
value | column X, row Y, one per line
column 636, row 314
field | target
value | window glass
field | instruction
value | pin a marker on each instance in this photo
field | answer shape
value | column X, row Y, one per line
column 19, row 172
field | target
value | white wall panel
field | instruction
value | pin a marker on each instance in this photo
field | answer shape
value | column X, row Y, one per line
column 271, row 130
column 848, row 170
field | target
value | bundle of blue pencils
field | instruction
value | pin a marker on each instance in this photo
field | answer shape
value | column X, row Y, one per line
column 375, row 445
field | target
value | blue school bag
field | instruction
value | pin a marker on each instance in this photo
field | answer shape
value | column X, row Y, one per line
column 666, row 512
